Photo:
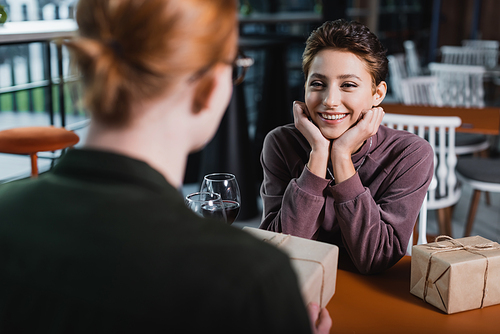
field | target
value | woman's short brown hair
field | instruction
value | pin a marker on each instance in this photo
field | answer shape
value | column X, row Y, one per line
column 131, row 51
column 351, row 37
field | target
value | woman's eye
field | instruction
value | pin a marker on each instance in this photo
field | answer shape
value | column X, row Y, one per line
column 316, row 84
column 349, row 85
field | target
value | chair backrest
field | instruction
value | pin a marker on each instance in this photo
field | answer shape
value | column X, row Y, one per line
column 397, row 72
column 459, row 85
column 481, row 44
column 421, row 90
column 444, row 190
column 468, row 55
column 32, row 10
column 412, row 59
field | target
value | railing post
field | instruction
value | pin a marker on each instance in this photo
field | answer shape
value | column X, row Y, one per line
column 48, row 74
column 13, row 80
column 62, row 107
column 31, row 106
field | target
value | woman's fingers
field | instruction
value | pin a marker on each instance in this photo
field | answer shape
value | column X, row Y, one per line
column 304, row 124
column 300, row 109
column 320, row 319
column 300, row 116
column 367, row 125
column 371, row 120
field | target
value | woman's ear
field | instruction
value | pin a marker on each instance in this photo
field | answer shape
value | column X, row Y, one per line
column 211, row 95
column 203, row 91
column 213, row 90
column 380, row 92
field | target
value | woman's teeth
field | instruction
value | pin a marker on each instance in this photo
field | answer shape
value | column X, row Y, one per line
column 333, row 117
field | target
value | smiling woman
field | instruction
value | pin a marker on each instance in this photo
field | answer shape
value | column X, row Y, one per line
column 336, row 175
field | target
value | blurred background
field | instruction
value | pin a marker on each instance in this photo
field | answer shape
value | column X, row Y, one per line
column 38, row 86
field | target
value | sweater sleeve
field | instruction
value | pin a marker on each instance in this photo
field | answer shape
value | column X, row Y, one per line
column 376, row 233
column 273, row 304
column 288, row 202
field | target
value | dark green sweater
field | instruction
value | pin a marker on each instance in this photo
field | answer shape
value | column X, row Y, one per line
column 103, row 243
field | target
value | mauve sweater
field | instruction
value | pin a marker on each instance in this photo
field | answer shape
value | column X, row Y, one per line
column 372, row 214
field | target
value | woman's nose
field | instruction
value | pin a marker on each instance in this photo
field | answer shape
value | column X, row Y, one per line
column 331, row 98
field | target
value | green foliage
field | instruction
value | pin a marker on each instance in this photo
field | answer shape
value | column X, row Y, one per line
column 72, row 103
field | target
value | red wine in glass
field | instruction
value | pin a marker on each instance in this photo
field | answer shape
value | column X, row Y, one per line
column 206, row 204
column 231, row 208
column 213, row 211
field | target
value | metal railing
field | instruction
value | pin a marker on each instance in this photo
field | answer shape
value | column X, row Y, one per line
column 30, row 73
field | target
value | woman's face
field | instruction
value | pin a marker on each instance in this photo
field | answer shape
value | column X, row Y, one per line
column 338, row 88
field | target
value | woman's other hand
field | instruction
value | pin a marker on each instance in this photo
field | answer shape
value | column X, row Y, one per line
column 320, row 146
column 321, row 322
column 351, row 140
column 366, row 127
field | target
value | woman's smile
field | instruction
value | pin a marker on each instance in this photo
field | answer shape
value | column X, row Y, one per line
column 332, row 116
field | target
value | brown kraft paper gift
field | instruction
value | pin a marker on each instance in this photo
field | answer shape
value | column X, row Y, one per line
column 457, row 275
column 314, row 262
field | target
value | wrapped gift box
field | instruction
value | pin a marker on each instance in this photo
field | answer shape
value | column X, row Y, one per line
column 314, row 262
column 457, row 274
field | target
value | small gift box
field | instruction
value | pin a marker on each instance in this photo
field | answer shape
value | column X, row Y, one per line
column 457, row 274
column 314, row 262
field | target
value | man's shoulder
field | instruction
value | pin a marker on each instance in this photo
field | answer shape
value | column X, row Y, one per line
column 13, row 193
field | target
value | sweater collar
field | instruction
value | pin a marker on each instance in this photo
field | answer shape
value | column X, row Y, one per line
column 96, row 164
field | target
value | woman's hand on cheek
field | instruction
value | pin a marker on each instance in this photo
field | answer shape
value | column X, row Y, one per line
column 351, row 140
column 308, row 129
column 320, row 146
column 367, row 125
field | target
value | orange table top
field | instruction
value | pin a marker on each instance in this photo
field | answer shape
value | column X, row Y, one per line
column 474, row 120
column 383, row 304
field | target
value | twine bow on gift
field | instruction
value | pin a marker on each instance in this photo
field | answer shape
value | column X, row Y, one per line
column 455, row 246
column 287, row 236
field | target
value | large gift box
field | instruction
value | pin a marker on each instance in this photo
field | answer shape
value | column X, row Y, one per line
column 314, row 262
column 457, row 274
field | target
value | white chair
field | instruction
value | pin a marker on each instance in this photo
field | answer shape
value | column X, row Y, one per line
column 422, row 90
column 397, row 72
column 488, row 50
column 460, row 85
column 412, row 59
column 481, row 44
column 468, row 55
column 444, row 190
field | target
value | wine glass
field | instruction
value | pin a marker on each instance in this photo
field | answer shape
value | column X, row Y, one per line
column 206, row 204
column 226, row 186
